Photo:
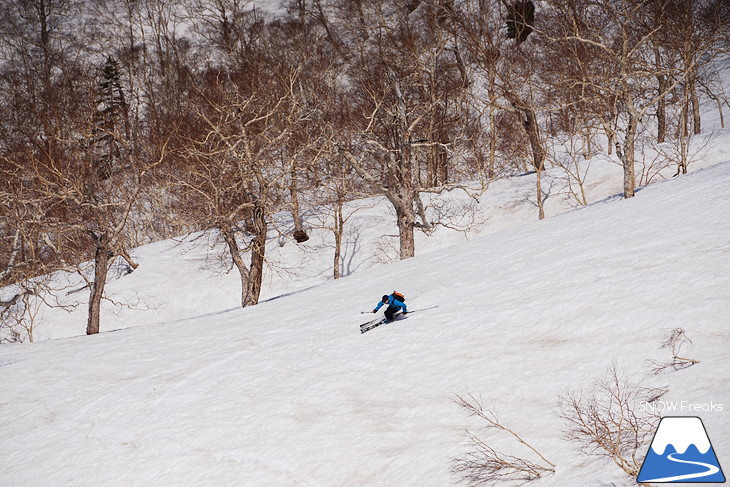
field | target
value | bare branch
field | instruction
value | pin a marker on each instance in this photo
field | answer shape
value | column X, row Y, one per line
column 485, row 464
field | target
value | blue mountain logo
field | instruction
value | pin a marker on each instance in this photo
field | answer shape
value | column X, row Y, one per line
column 681, row 452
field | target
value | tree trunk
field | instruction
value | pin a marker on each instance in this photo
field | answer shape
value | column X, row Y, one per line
column 101, row 267
column 229, row 236
column 491, row 171
column 339, row 230
column 15, row 249
column 692, row 87
column 718, row 101
column 437, row 169
column 529, row 123
column 300, row 235
column 533, row 133
column 258, row 252
column 406, row 217
column 402, row 199
column 661, row 119
column 540, row 201
column 627, row 157
column 683, row 122
column 442, row 166
column 661, row 112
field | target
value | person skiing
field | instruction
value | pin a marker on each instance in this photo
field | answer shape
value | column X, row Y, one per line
column 395, row 303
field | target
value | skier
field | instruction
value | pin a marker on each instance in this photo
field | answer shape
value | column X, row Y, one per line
column 395, row 304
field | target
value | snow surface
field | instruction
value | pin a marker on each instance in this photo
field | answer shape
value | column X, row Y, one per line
column 289, row 393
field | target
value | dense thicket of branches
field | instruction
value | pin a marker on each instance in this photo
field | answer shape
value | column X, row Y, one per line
column 128, row 121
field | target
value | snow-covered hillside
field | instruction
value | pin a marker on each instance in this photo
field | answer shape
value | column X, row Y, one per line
column 289, row 393
column 191, row 276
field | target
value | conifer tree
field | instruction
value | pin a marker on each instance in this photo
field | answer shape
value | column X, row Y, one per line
column 112, row 122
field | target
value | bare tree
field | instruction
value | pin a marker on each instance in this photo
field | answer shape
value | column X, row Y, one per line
column 575, row 165
column 68, row 160
column 222, row 184
column 403, row 75
column 485, row 464
column 604, row 421
column 86, row 211
column 149, row 60
column 223, row 25
column 21, row 307
column 510, row 72
column 298, row 37
column 675, row 341
column 339, row 186
column 230, row 177
column 625, row 69
column 476, row 26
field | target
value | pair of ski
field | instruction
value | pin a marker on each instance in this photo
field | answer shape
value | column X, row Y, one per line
column 380, row 321
column 383, row 321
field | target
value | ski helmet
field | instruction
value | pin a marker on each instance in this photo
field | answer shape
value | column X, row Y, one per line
column 386, row 298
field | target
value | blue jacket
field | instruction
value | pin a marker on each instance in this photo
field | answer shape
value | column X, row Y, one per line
column 394, row 303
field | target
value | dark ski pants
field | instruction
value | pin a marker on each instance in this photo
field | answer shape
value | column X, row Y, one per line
column 391, row 312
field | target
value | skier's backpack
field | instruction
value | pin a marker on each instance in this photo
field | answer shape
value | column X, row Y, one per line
column 399, row 296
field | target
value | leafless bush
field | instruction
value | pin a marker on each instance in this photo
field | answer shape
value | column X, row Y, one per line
column 676, row 339
column 385, row 249
column 485, row 464
column 19, row 313
column 651, row 164
column 457, row 215
column 575, row 163
column 685, row 149
column 603, row 420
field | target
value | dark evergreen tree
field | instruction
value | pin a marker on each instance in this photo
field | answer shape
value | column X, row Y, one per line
column 112, row 123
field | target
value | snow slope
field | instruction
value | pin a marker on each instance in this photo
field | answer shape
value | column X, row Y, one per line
column 288, row 393
column 190, row 276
